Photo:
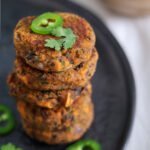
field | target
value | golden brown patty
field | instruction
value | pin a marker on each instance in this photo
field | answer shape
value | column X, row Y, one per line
column 30, row 46
column 70, row 79
column 48, row 99
column 59, row 125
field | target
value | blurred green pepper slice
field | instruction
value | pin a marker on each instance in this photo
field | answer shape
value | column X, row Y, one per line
column 85, row 145
column 44, row 23
column 7, row 121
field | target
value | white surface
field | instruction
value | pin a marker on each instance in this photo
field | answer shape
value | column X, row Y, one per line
column 134, row 36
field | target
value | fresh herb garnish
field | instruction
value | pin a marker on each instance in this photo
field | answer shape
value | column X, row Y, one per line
column 66, row 41
column 9, row 146
column 56, row 44
column 51, row 23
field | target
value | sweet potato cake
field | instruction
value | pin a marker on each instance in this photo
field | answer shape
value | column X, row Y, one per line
column 47, row 99
column 30, row 46
column 58, row 125
column 71, row 79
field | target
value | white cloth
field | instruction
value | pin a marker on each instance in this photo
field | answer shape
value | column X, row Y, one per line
column 134, row 36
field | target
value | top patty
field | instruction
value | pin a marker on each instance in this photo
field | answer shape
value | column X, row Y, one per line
column 30, row 46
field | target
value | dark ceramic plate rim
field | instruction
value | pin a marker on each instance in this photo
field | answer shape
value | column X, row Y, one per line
column 121, row 56
column 123, row 59
column 119, row 53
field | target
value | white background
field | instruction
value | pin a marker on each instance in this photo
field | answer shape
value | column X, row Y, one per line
column 134, row 36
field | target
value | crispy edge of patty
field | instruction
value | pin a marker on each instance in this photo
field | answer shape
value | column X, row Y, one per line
column 65, row 129
column 43, row 114
column 48, row 99
column 30, row 46
column 70, row 79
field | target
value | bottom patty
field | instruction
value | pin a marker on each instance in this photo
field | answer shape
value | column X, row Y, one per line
column 58, row 125
column 48, row 99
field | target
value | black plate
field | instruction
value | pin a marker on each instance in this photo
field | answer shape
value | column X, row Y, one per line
column 113, row 84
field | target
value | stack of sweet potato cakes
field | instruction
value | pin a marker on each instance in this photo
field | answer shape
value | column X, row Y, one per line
column 52, row 87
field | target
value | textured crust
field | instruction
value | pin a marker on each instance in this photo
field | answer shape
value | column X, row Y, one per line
column 59, row 125
column 30, row 46
column 47, row 99
column 70, row 79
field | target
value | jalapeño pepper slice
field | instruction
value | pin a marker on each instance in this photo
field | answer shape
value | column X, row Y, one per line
column 85, row 145
column 7, row 121
column 44, row 23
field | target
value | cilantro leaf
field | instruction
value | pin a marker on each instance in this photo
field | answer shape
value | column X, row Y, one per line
column 68, row 32
column 9, row 146
column 69, row 41
column 59, row 32
column 66, row 41
column 52, row 43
